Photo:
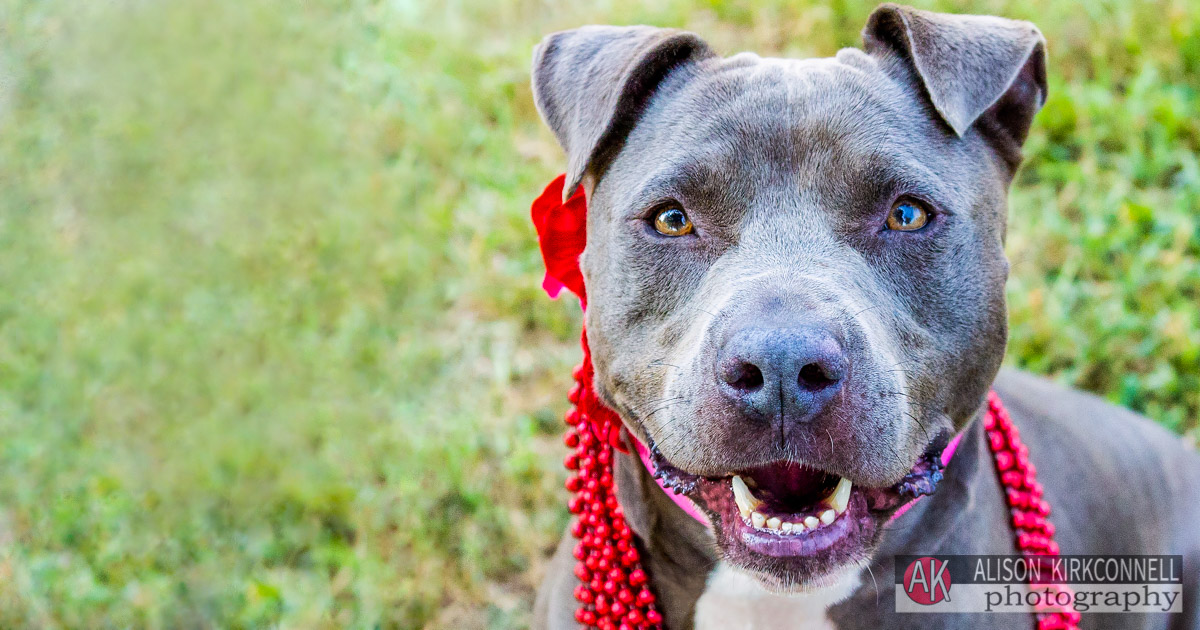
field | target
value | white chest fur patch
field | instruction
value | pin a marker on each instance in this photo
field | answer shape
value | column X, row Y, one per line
column 733, row 599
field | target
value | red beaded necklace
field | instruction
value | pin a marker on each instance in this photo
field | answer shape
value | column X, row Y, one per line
column 614, row 591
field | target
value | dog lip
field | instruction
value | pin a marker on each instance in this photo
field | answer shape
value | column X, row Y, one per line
column 920, row 480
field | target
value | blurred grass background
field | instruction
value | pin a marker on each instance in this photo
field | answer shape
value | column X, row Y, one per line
column 272, row 349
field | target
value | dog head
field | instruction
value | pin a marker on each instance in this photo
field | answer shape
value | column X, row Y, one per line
column 795, row 268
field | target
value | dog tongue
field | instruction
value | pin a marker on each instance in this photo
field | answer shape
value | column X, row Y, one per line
column 790, row 485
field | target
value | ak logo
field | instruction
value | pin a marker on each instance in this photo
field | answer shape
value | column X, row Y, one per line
column 927, row 581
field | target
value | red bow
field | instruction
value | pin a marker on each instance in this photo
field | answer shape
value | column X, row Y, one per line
column 562, row 235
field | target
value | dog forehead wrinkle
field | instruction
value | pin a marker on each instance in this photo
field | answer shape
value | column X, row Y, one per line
column 820, row 124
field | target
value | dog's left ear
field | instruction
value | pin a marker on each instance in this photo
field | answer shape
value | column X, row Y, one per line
column 978, row 71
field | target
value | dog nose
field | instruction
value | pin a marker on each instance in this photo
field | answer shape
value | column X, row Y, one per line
column 790, row 373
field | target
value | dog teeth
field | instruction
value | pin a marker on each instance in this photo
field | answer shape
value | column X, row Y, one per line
column 746, row 501
column 834, row 504
column 840, row 497
column 758, row 520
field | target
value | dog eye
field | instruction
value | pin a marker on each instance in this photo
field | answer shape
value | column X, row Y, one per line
column 672, row 221
column 907, row 216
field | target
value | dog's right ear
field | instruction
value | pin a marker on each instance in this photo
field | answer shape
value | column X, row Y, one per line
column 590, row 84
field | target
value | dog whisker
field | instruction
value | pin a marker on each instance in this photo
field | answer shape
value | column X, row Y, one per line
column 661, row 363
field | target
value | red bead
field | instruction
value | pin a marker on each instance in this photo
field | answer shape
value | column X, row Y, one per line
column 645, row 597
column 610, row 587
column 625, row 596
column 577, row 372
column 624, row 626
column 580, row 616
column 653, row 617
column 607, row 624
column 571, row 439
column 574, row 483
column 1028, row 480
column 591, row 563
column 1004, row 460
column 637, row 577
column 1012, row 479
column 617, row 609
column 601, row 605
column 989, row 421
column 634, row 617
column 1051, row 622
column 586, row 439
column 577, row 528
column 604, row 457
column 575, row 393
column 573, row 416
column 583, row 594
column 582, row 572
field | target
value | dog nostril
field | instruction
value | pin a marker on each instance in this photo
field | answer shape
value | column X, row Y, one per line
column 745, row 377
column 813, row 377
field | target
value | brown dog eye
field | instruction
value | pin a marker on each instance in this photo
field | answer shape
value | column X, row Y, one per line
column 907, row 216
column 672, row 222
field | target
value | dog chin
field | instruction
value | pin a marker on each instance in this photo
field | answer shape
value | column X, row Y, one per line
column 840, row 582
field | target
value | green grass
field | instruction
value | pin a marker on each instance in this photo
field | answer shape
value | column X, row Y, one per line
column 272, row 348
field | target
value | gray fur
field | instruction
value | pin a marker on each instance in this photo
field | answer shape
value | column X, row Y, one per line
column 787, row 169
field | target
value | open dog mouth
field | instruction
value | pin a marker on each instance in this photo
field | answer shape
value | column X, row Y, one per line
column 789, row 498
column 796, row 521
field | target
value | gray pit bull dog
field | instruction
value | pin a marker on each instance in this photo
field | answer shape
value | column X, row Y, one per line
column 795, row 276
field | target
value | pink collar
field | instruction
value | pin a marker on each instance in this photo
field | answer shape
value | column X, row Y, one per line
column 692, row 510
